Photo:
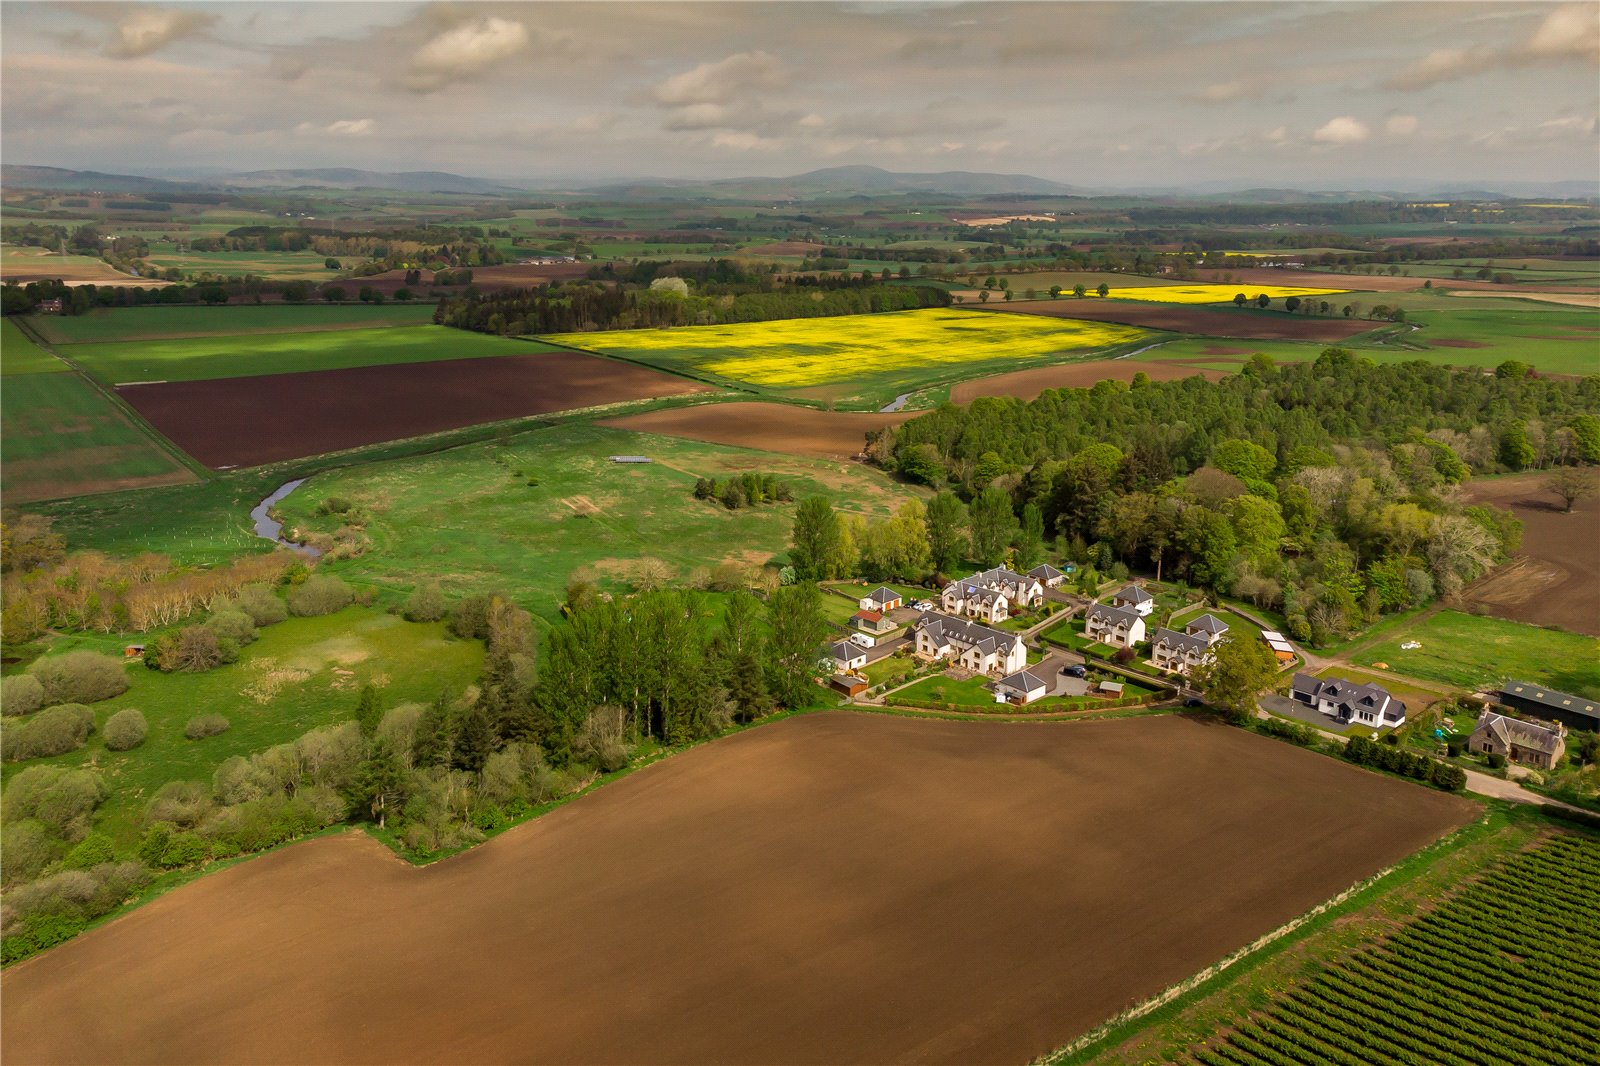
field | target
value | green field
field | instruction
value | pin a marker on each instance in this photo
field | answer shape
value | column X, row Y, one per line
column 19, row 355
column 278, row 266
column 201, row 358
column 165, row 323
column 973, row 694
column 60, row 437
column 861, row 360
column 1502, row 972
column 301, row 674
column 469, row 518
column 1474, row 652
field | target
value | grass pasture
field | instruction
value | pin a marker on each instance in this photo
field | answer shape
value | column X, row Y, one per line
column 302, row 674
column 232, row 356
column 1471, row 652
column 713, row 882
column 860, row 360
column 63, row 437
column 19, row 355
column 276, row 266
column 126, row 324
column 470, row 518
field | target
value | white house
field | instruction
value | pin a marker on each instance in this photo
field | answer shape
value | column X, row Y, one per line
column 1347, row 701
column 1022, row 687
column 1133, row 598
column 1047, row 575
column 882, row 600
column 978, row 648
column 961, row 598
column 845, row 656
column 1117, row 626
column 1179, row 652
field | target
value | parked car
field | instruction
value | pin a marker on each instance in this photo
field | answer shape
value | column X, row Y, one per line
column 1075, row 670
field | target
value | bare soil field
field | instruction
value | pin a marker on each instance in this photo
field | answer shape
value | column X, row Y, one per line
column 1027, row 384
column 248, row 421
column 1567, row 297
column 23, row 265
column 1376, row 282
column 1247, row 325
column 772, row 427
column 1557, row 580
column 838, row 888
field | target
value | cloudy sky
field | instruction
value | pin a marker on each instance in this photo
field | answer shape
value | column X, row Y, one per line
column 1103, row 94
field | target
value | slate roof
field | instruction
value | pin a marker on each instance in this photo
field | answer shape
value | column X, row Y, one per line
column 1560, row 701
column 1179, row 641
column 1024, row 680
column 1523, row 734
column 1044, row 573
column 1207, row 623
column 1132, row 594
column 961, row 632
column 844, row 651
column 1349, row 696
column 1113, row 615
column 883, row 595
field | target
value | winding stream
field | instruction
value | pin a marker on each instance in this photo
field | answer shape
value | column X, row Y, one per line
column 268, row 528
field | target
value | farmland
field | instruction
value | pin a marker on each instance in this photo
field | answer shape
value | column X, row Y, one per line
column 1555, row 582
column 860, row 360
column 718, row 896
column 1500, row 973
column 171, row 322
column 767, row 426
column 1216, row 294
column 1471, row 652
column 256, row 353
column 248, row 421
column 1249, row 324
column 63, row 437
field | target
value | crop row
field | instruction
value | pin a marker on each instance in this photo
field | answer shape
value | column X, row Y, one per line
column 1506, row 972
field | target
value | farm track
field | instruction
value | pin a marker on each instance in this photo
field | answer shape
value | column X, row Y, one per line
column 819, row 879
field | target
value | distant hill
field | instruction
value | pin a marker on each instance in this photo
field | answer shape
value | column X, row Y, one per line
column 346, row 178
column 844, row 182
column 21, row 176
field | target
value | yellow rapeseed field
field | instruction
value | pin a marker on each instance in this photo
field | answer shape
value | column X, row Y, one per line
column 1216, row 294
column 802, row 352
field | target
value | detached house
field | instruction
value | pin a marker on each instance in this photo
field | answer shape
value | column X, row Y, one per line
column 872, row 622
column 978, row 648
column 1022, row 687
column 882, row 600
column 1179, row 652
column 960, row 598
column 844, row 657
column 1350, row 703
column 1048, row 576
column 1135, row 599
column 1527, row 743
column 1117, row 626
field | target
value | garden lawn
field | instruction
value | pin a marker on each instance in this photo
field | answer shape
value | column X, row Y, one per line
column 19, row 355
column 469, row 518
column 861, row 360
column 166, row 323
column 973, row 693
column 205, row 358
column 321, row 664
column 1474, row 652
column 1068, row 634
column 888, row 669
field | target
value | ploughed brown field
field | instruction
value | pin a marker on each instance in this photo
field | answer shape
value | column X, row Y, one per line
column 1187, row 318
column 772, row 427
column 1555, row 582
column 253, row 420
column 840, row 888
column 1027, row 384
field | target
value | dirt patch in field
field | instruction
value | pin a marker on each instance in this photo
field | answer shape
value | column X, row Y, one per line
column 1208, row 322
column 1455, row 342
column 814, row 890
column 253, row 420
column 1556, row 580
column 772, row 427
column 1027, row 384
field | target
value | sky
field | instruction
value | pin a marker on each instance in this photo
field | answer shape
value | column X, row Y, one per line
column 1107, row 95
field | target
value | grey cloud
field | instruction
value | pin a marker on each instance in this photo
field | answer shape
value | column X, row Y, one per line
column 463, row 51
column 721, row 82
column 1570, row 32
column 144, row 30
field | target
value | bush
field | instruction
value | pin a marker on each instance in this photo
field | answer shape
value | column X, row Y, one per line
column 191, row 650
column 426, row 603
column 469, row 618
column 1496, row 761
column 232, row 624
column 28, row 848
column 265, row 607
column 126, row 729
column 92, row 851
column 59, row 799
column 80, row 677
column 79, row 894
column 205, row 725
column 22, row 694
column 179, row 803
column 53, row 731
column 335, row 505
column 320, row 594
